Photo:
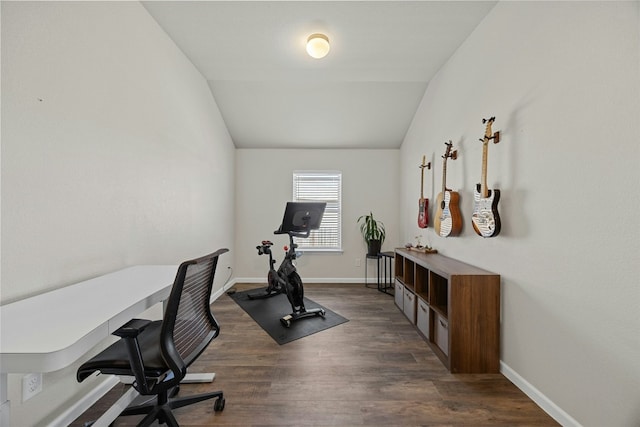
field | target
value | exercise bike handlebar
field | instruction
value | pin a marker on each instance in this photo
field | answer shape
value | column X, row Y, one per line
column 302, row 234
column 264, row 248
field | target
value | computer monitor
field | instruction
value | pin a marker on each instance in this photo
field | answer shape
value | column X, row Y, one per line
column 300, row 217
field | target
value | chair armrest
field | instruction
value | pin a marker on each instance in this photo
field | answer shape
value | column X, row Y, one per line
column 132, row 328
column 129, row 333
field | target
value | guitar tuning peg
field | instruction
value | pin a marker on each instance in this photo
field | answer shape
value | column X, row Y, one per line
column 429, row 165
column 454, row 155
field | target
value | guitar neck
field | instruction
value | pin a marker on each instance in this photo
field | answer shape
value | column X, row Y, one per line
column 444, row 175
column 483, row 182
column 422, row 177
column 488, row 136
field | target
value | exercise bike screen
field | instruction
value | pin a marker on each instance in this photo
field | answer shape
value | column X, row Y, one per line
column 302, row 216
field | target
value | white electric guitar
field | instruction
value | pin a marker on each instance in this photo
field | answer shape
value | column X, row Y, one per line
column 485, row 217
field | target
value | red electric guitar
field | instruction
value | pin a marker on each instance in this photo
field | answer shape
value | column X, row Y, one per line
column 423, row 203
column 448, row 221
column 485, row 217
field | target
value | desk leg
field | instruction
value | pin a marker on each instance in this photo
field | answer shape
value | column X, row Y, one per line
column 189, row 379
column 199, row 378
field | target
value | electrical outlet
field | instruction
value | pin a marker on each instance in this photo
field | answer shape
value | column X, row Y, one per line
column 357, row 262
column 31, row 385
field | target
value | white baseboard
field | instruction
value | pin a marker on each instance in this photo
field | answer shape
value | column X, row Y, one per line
column 263, row 281
column 538, row 397
column 81, row 406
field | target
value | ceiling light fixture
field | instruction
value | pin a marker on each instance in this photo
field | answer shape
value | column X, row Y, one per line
column 318, row 45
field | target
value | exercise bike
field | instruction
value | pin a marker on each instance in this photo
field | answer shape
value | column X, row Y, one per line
column 299, row 219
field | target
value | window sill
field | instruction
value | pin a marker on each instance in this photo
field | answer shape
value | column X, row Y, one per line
column 320, row 250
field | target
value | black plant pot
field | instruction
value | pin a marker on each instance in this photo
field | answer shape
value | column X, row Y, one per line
column 374, row 247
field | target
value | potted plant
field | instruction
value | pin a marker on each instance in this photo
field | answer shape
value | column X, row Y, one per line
column 373, row 233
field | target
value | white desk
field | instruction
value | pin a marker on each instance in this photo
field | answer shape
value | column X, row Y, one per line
column 52, row 330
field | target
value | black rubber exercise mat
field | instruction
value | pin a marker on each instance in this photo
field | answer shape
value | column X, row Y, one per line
column 267, row 313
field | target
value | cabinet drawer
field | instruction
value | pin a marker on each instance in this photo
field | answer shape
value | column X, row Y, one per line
column 409, row 304
column 399, row 295
column 423, row 317
column 441, row 333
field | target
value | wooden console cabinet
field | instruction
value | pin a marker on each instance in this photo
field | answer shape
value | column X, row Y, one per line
column 454, row 305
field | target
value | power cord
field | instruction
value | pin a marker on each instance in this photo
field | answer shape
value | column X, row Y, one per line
column 230, row 291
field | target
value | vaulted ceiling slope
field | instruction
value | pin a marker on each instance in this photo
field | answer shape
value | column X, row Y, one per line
column 364, row 94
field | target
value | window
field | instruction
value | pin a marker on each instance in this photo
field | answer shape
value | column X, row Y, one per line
column 321, row 186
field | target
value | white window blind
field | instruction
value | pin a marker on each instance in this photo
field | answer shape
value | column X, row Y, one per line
column 321, row 186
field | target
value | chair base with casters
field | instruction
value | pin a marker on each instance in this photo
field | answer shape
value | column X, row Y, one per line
column 158, row 353
column 161, row 408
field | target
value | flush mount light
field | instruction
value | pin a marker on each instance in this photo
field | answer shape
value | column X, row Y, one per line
column 318, row 45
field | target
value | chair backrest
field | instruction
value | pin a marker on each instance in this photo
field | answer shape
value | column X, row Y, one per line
column 188, row 325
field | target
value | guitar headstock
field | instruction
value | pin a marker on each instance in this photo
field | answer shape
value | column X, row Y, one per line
column 448, row 153
column 488, row 133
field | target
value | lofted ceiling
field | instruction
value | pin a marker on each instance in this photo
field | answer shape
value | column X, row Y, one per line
column 364, row 94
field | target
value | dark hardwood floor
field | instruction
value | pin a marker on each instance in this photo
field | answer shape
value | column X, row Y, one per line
column 375, row 370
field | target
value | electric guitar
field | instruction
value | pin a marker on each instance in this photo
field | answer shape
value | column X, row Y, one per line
column 423, row 204
column 448, row 221
column 485, row 217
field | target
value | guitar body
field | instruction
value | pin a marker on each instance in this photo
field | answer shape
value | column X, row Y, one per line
column 423, row 216
column 448, row 220
column 485, row 217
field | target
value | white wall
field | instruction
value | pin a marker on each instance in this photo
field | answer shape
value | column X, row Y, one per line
column 264, row 185
column 114, row 153
column 563, row 80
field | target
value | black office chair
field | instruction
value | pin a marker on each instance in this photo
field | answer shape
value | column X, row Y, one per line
column 158, row 353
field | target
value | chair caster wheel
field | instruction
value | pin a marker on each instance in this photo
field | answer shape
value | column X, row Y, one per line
column 219, row 404
column 174, row 391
